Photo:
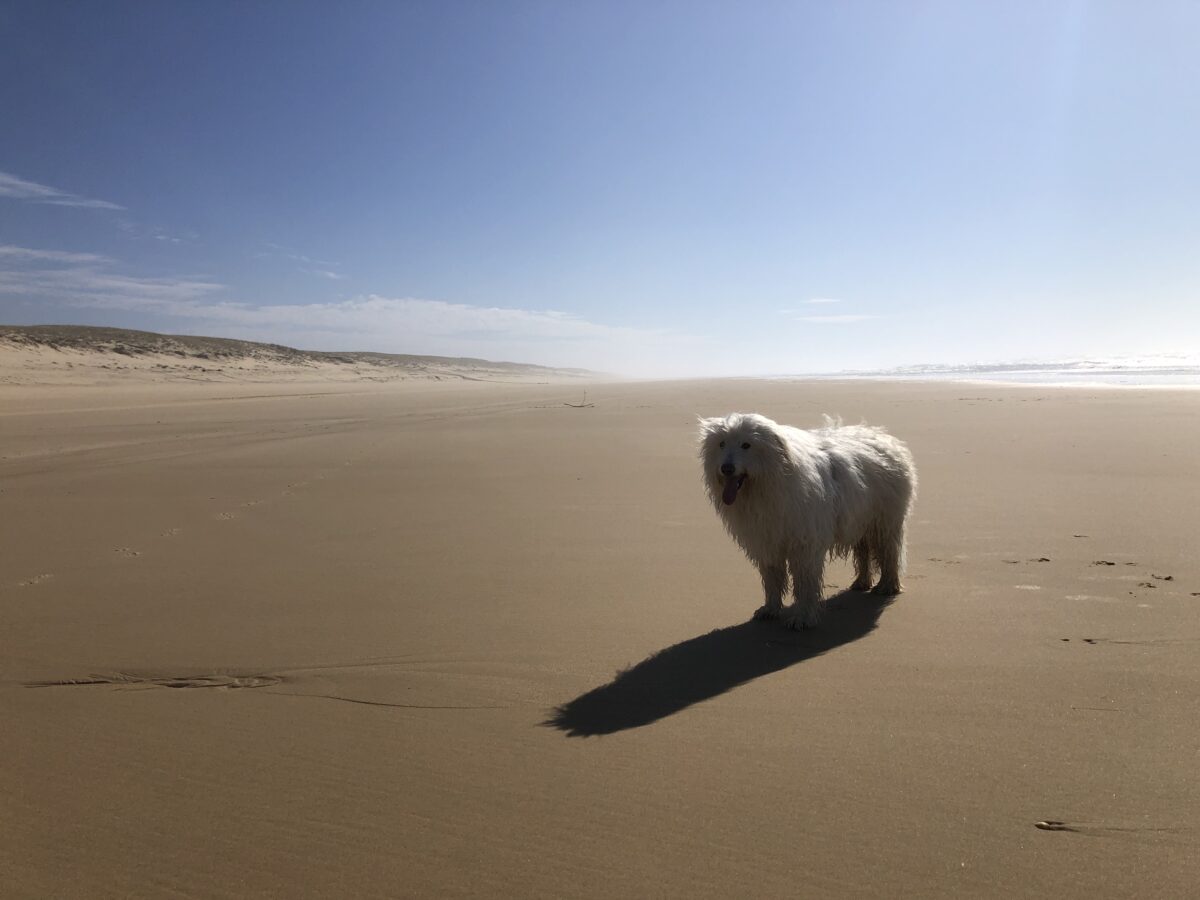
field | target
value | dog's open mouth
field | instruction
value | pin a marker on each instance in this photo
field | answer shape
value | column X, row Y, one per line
column 732, row 486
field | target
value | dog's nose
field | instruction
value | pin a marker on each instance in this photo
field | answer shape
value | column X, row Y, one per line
column 727, row 468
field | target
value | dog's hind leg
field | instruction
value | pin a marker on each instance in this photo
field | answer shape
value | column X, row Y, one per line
column 808, row 571
column 888, row 545
column 774, row 579
column 862, row 566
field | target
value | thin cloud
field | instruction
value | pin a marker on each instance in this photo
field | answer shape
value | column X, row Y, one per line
column 414, row 325
column 321, row 268
column 812, row 301
column 366, row 322
column 88, row 281
column 155, row 233
column 374, row 316
column 19, row 189
column 85, row 279
column 7, row 251
column 846, row 319
column 280, row 251
column 801, row 315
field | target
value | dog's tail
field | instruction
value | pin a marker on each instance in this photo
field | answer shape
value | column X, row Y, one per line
column 828, row 422
column 832, row 423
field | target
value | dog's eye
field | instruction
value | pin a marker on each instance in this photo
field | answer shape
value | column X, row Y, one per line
column 746, row 446
column 722, row 445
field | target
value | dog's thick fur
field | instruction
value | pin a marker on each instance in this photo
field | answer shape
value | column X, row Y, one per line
column 791, row 498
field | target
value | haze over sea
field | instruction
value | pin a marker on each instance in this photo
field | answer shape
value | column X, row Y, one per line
column 1134, row 372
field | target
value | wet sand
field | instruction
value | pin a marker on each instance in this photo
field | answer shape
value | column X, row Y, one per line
column 429, row 639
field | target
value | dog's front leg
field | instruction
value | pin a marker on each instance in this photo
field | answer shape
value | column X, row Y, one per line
column 808, row 585
column 774, row 579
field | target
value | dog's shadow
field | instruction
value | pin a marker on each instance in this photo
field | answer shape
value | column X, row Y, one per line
column 709, row 665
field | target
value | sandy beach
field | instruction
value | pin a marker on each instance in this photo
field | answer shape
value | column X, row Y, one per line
column 458, row 638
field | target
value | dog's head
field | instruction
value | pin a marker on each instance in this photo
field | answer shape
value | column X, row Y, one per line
column 737, row 452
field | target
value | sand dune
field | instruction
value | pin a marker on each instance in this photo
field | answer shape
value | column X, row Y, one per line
column 84, row 355
column 427, row 639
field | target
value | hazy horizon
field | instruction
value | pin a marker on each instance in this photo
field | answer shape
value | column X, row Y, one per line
column 653, row 190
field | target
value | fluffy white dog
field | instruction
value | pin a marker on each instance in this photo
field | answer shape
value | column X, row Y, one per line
column 791, row 497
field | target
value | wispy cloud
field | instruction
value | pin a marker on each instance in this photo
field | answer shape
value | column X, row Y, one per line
column 802, row 311
column 86, row 279
column 16, row 188
column 804, row 315
column 7, row 251
column 846, row 319
column 367, row 322
column 279, row 250
column 322, row 268
column 366, row 318
column 19, row 189
column 155, row 233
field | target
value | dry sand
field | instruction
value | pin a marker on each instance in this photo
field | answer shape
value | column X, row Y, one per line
column 364, row 641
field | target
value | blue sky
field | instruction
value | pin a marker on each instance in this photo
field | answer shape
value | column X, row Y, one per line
column 652, row 188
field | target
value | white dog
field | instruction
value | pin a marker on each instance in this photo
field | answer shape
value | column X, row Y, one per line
column 792, row 497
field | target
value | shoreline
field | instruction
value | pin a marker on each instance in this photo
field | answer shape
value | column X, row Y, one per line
column 993, row 382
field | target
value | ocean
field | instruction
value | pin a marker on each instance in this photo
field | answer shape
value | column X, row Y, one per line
column 1142, row 372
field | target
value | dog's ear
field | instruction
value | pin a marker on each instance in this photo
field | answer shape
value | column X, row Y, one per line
column 708, row 426
column 774, row 440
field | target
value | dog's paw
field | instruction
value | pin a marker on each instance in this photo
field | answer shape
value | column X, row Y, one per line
column 799, row 618
column 891, row 589
column 768, row 612
column 861, row 585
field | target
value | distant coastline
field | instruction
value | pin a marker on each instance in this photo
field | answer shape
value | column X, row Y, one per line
column 84, row 354
column 1132, row 372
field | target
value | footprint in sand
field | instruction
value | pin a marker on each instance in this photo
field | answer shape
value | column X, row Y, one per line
column 226, row 516
column 1054, row 825
column 125, row 679
column 127, row 552
column 434, row 689
column 36, row 579
column 171, row 532
column 252, row 503
column 1129, row 830
column 1141, row 642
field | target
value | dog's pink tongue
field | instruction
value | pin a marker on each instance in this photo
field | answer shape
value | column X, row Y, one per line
column 731, row 489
